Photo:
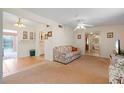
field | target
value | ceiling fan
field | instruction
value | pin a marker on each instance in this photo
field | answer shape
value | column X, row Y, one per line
column 81, row 25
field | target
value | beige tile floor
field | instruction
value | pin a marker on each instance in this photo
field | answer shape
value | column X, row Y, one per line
column 14, row 65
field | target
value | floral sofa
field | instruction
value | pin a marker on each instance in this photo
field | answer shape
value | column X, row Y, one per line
column 65, row 54
column 116, row 70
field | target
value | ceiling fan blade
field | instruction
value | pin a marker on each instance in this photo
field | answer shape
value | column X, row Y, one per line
column 88, row 25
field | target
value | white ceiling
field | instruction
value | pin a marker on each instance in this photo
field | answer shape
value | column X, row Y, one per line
column 11, row 19
column 93, row 16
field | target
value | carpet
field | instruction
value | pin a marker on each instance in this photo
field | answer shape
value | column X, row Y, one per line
column 85, row 70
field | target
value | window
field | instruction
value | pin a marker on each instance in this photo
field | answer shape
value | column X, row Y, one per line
column 8, row 42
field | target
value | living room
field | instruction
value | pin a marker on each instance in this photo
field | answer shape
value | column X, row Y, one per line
column 60, row 46
column 61, row 28
column 25, row 45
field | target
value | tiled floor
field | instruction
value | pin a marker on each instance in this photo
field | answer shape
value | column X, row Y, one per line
column 14, row 65
column 10, row 54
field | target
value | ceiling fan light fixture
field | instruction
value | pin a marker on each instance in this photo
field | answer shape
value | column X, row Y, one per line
column 19, row 24
column 80, row 27
column 91, row 33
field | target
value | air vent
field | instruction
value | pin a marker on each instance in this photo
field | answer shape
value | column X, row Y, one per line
column 60, row 26
column 47, row 25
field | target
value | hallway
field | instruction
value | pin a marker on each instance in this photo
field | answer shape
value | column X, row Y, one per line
column 92, row 44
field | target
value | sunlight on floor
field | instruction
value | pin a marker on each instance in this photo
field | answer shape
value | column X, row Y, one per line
column 14, row 65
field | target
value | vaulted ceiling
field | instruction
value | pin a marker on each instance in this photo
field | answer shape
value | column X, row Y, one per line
column 69, row 16
column 93, row 16
column 11, row 19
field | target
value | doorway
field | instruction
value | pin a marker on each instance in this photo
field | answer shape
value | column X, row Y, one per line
column 42, row 44
column 92, row 45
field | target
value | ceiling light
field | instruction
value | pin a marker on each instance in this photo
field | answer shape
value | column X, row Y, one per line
column 78, row 27
column 19, row 24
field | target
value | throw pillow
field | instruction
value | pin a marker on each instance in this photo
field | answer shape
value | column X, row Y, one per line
column 74, row 49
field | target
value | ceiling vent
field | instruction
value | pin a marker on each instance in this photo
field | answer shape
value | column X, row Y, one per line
column 47, row 25
column 60, row 26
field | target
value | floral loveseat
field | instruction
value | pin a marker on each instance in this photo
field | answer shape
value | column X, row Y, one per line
column 66, row 54
column 116, row 70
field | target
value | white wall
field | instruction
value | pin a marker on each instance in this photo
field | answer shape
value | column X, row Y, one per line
column 61, row 36
column 80, row 43
column 1, row 51
column 107, row 45
column 24, row 46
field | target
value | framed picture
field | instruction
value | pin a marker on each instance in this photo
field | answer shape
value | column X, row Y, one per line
column 50, row 34
column 110, row 35
column 31, row 34
column 25, row 35
column 78, row 36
